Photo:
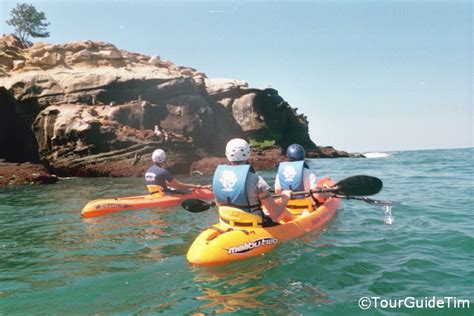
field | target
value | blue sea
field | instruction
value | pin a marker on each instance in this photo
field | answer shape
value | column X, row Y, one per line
column 53, row 262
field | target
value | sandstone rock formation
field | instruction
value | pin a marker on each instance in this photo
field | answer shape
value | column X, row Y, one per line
column 93, row 109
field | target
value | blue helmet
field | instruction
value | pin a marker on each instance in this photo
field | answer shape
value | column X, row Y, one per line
column 295, row 152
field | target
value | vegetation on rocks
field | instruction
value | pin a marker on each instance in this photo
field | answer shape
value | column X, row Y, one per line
column 28, row 22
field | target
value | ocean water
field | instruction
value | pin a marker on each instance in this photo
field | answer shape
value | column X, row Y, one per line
column 54, row 262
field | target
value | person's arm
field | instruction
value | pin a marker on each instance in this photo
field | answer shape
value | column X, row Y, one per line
column 277, row 185
column 175, row 184
column 311, row 182
column 277, row 211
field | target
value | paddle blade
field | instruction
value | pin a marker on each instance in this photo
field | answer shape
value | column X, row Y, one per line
column 380, row 202
column 358, row 185
column 196, row 206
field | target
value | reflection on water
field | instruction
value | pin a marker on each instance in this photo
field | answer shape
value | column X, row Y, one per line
column 131, row 228
column 255, row 285
column 259, row 284
column 123, row 227
column 230, row 288
column 224, row 303
column 231, row 276
column 302, row 293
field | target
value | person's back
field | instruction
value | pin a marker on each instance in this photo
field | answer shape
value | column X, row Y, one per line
column 237, row 185
column 155, row 179
column 284, row 179
column 295, row 175
column 159, row 181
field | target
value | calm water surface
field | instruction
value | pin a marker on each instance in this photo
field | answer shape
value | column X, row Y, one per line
column 54, row 262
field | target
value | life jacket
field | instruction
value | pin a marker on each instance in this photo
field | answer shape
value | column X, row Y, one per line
column 290, row 176
column 229, row 186
column 155, row 190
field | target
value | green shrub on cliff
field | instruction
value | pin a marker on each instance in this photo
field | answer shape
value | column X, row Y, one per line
column 28, row 22
column 261, row 143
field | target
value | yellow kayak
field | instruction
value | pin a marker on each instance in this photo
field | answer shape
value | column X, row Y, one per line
column 239, row 235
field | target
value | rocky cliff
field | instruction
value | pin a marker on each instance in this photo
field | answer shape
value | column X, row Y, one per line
column 88, row 108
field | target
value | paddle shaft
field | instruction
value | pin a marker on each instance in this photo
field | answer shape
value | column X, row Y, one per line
column 346, row 197
column 368, row 200
column 319, row 190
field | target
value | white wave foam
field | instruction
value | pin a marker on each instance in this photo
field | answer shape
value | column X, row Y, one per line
column 376, row 155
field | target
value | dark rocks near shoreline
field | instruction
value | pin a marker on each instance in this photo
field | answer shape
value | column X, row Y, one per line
column 260, row 160
column 89, row 109
column 16, row 174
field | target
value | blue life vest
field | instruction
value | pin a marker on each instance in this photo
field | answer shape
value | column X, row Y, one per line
column 290, row 175
column 229, row 186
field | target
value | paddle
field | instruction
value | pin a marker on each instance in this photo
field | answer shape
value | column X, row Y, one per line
column 352, row 186
column 357, row 186
column 196, row 205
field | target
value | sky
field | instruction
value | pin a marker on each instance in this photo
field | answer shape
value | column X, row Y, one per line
column 370, row 75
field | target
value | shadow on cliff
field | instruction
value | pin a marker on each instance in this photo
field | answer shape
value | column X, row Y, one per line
column 17, row 141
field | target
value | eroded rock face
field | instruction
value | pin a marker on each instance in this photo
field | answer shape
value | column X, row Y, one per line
column 94, row 108
column 222, row 87
column 263, row 115
column 77, row 71
column 10, row 54
column 110, row 140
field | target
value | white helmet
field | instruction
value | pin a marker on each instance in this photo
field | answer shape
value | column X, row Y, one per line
column 237, row 149
column 158, row 156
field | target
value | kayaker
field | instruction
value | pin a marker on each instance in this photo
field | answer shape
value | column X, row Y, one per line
column 295, row 175
column 238, row 185
column 159, row 181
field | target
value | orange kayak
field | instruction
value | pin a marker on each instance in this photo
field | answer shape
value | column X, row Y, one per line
column 108, row 206
column 239, row 236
